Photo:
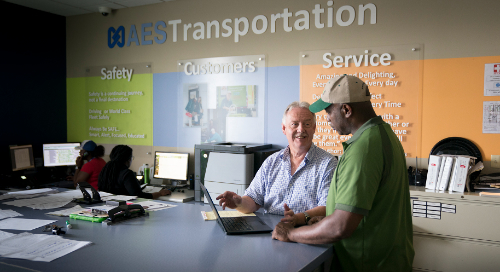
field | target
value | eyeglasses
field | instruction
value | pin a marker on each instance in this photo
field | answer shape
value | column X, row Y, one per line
column 132, row 158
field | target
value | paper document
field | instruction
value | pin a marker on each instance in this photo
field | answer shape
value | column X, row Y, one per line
column 8, row 213
column 151, row 189
column 492, row 79
column 28, row 193
column 32, row 192
column 491, row 116
column 38, row 247
column 24, row 224
column 4, row 235
column 211, row 216
column 118, row 197
column 51, row 201
column 155, row 206
column 66, row 212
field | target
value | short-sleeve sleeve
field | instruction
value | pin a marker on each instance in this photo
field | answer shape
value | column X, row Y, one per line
column 87, row 168
column 325, row 182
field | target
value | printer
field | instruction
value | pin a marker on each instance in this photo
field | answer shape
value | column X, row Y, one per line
column 228, row 172
column 227, row 166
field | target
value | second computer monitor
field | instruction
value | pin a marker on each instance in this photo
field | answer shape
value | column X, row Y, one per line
column 21, row 157
column 171, row 166
column 60, row 154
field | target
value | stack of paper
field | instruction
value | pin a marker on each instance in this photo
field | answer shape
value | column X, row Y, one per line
column 37, row 247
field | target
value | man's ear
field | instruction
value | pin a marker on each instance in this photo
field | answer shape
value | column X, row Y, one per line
column 283, row 128
column 347, row 110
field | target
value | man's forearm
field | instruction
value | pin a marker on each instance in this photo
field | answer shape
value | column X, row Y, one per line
column 315, row 234
column 316, row 211
column 337, row 226
column 77, row 171
column 247, row 205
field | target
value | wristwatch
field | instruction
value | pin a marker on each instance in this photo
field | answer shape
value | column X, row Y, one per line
column 307, row 217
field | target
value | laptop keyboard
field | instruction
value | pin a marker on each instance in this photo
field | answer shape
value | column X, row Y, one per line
column 236, row 224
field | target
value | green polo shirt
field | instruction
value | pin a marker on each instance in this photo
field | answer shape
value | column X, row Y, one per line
column 371, row 179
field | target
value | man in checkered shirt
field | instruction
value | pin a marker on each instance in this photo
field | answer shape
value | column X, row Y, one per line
column 293, row 182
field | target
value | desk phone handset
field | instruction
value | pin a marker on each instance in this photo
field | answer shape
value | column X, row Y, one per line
column 124, row 212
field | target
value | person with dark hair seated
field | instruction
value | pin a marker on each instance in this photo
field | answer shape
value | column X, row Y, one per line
column 116, row 177
column 89, row 172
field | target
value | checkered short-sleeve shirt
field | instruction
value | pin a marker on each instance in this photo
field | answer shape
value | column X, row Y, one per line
column 273, row 185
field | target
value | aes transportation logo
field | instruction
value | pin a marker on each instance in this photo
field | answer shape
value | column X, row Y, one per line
column 116, row 37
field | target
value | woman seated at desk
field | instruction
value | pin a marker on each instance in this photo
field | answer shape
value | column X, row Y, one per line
column 89, row 172
column 116, row 177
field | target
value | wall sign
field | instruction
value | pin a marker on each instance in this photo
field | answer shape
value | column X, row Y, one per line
column 393, row 75
column 323, row 15
column 118, row 105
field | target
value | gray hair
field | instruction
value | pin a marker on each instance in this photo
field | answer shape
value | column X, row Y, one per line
column 297, row 104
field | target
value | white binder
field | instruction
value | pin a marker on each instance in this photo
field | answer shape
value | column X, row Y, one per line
column 445, row 177
column 433, row 172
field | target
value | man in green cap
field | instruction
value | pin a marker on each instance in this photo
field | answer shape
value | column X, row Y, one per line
column 368, row 210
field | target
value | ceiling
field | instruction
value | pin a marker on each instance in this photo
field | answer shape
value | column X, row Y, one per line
column 77, row 7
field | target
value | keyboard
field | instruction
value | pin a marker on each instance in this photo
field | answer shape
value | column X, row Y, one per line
column 236, row 224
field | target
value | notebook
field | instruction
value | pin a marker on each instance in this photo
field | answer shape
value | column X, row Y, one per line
column 237, row 225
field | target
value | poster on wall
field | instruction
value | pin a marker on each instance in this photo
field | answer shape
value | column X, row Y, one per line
column 194, row 96
column 492, row 79
column 393, row 76
column 118, row 105
column 222, row 100
column 491, row 117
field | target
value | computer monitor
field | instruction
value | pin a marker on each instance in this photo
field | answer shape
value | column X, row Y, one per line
column 63, row 154
column 21, row 157
column 171, row 166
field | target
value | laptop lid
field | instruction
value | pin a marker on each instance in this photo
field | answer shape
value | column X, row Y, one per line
column 216, row 213
column 257, row 225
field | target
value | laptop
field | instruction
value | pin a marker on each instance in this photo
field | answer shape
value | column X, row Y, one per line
column 237, row 225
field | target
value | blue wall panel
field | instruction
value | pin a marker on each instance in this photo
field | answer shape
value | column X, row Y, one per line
column 165, row 109
column 282, row 89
